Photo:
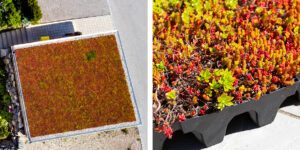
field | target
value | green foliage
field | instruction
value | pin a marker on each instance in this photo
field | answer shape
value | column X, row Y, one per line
column 224, row 35
column 213, row 50
column 214, row 85
column 160, row 66
column 231, row 4
column 208, row 92
column 3, row 129
column 171, row 95
column 224, row 100
column 186, row 14
column 6, row 99
column 157, row 5
column 207, row 18
column 25, row 21
column 33, row 11
column 125, row 131
column 279, row 30
column 2, row 89
column 14, row 13
column 204, row 76
column 218, row 72
column 197, row 4
column 4, row 96
column 5, row 114
column 258, row 10
column 10, row 16
column 91, row 55
column 296, row 30
column 226, row 80
column 173, row 3
column 207, row 5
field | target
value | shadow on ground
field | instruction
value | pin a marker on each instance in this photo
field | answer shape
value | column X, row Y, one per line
column 239, row 123
column 54, row 30
column 292, row 100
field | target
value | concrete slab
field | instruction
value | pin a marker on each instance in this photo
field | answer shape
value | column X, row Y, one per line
column 93, row 24
column 130, row 19
column 58, row 10
column 243, row 134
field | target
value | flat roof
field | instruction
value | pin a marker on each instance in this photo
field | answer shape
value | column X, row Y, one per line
column 73, row 86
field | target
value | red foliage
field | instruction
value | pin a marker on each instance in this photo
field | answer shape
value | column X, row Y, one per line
column 275, row 79
column 181, row 117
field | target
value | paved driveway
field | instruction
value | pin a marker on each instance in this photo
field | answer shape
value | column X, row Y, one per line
column 58, row 10
column 130, row 18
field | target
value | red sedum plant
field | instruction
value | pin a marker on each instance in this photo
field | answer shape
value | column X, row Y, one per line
column 208, row 55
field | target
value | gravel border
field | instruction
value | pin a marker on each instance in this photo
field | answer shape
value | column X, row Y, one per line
column 16, row 125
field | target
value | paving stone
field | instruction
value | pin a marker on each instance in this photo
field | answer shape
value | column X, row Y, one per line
column 93, row 25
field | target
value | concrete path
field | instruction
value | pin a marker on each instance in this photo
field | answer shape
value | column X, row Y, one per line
column 58, row 10
column 93, row 24
column 243, row 134
column 130, row 18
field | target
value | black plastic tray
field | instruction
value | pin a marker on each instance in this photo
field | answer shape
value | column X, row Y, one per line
column 210, row 129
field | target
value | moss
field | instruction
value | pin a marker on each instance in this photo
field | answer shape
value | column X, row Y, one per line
column 125, row 131
column 91, row 55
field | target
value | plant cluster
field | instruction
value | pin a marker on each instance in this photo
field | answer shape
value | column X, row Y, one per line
column 211, row 54
column 3, row 129
column 14, row 13
column 74, row 85
column 5, row 111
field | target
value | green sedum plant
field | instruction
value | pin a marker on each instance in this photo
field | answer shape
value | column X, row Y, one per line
column 231, row 4
column 226, row 80
column 214, row 85
column 160, row 66
column 224, row 100
column 204, row 76
column 171, row 95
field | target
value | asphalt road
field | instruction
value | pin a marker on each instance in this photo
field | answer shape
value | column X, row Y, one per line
column 130, row 19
